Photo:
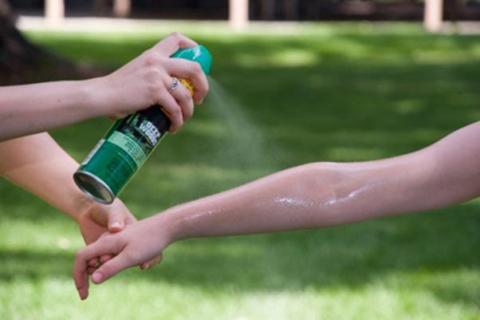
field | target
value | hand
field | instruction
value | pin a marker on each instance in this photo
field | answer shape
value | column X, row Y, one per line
column 139, row 242
column 98, row 220
column 145, row 81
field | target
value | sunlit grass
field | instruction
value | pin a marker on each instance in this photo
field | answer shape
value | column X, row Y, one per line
column 328, row 92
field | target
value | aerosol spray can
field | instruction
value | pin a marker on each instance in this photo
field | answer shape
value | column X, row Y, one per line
column 127, row 145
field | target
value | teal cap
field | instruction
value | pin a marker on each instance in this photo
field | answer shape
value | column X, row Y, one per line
column 199, row 54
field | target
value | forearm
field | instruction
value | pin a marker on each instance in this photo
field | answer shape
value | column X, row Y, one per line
column 325, row 194
column 309, row 196
column 37, row 164
column 33, row 108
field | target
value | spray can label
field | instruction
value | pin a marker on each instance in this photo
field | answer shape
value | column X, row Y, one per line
column 119, row 155
column 137, row 136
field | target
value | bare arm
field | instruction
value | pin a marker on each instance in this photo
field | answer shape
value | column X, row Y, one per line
column 322, row 194
column 141, row 83
column 26, row 109
column 309, row 196
column 37, row 164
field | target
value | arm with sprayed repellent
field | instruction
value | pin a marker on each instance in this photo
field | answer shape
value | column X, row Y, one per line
column 309, row 196
column 143, row 82
column 39, row 165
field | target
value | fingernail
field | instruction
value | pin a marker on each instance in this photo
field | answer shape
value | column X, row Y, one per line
column 83, row 294
column 116, row 225
column 97, row 277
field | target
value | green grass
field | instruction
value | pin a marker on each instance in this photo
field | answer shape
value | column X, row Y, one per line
column 331, row 92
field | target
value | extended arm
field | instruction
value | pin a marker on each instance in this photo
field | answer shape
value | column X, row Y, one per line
column 309, row 196
column 141, row 83
column 322, row 194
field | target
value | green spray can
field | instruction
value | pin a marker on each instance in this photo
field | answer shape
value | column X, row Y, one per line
column 129, row 142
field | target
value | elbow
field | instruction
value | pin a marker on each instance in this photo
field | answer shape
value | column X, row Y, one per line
column 329, row 173
column 322, row 181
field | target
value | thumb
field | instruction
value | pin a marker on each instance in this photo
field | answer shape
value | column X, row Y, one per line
column 116, row 221
column 111, row 268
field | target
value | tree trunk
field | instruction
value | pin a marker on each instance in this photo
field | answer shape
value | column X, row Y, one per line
column 22, row 61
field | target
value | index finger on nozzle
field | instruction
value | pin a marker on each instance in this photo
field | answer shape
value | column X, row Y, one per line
column 173, row 42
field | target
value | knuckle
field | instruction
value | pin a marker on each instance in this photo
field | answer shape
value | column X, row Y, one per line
column 176, row 35
column 176, row 112
column 157, row 98
column 156, row 91
column 196, row 68
column 152, row 75
column 79, row 255
column 150, row 58
column 153, row 88
column 184, row 96
column 166, row 108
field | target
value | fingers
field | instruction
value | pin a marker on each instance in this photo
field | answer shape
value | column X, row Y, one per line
column 171, row 108
column 91, row 270
column 192, row 71
column 105, row 258
column 178, row 103
column 151, row 263
column 111, row 268
column 93, row 263
column 81, row 266
column 173, row 42
column 184, row 100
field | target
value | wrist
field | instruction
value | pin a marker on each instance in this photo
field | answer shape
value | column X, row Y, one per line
column 97, row 97
column 170, row 226
column 81, row 205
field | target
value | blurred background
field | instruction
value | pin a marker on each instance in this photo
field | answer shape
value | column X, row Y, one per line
column 293, row 82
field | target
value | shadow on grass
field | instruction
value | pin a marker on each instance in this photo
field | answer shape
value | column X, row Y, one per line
column 439, row 245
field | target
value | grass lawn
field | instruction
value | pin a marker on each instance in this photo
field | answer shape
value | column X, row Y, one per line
column 346, row 92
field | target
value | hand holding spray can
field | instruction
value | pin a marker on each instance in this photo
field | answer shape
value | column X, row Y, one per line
column 130, row 141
